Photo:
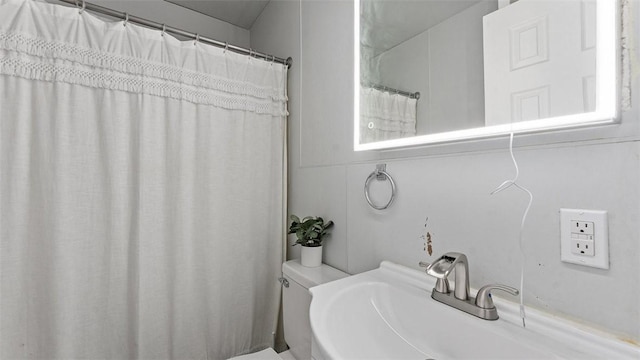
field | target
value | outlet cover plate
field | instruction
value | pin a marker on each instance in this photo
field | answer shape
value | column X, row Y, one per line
column 600, row 231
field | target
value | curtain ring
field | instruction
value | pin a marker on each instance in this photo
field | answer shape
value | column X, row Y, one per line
column 250, row 53
column 197, row 39
column 81, row 8
column 226, row 47
column 164, row 30
column 126, row 19
column 273, row 59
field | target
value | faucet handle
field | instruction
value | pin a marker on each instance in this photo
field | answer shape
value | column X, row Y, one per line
column 483, row 298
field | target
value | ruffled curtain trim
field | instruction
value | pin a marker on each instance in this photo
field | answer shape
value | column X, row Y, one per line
column 31, row 69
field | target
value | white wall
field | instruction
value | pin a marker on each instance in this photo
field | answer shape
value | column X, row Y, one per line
column 456, row 71
column 177, row 16
column 450, row 184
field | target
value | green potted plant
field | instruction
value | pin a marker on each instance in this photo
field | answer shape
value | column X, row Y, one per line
column 310, row 231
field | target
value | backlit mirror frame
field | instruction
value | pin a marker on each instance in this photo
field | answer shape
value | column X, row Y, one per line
column 606, row 93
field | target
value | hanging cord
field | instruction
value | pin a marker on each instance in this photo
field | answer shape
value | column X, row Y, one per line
column 505, row 185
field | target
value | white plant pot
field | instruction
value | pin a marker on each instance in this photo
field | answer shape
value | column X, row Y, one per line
column 311, row 256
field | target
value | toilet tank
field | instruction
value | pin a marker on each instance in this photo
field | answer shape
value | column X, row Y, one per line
column 296, row 300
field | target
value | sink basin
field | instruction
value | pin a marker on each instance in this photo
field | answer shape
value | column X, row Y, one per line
column 388, row 313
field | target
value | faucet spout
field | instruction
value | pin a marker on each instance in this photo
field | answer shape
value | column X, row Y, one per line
column 447, row 263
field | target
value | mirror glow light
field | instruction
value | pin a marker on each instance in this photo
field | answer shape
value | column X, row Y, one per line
column 606, row 93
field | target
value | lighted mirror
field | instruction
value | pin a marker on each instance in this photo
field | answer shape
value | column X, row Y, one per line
column 432, row 71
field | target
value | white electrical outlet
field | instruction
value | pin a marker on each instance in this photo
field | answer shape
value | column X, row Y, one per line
column 584, row 237
column 582, row 247
column 582, row 227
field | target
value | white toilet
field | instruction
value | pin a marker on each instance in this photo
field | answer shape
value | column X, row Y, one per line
column 296, row 301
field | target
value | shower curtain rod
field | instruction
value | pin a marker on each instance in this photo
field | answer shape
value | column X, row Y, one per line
column 415, row 95
column 83, row 5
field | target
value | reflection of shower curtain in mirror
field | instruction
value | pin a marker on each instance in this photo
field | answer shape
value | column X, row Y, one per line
column 385, row 116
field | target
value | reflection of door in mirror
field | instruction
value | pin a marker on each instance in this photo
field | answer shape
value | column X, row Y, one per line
column 539, row 60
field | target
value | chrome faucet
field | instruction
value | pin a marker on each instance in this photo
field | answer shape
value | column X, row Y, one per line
column 441, row 268
column 482, row 306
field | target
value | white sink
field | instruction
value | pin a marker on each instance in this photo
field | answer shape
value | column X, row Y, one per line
column 388, row 313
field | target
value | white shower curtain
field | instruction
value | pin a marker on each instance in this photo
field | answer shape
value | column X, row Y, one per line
column 141, row 191
column 386, row 116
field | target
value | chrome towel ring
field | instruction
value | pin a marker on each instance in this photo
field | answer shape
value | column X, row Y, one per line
column 380, row 174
